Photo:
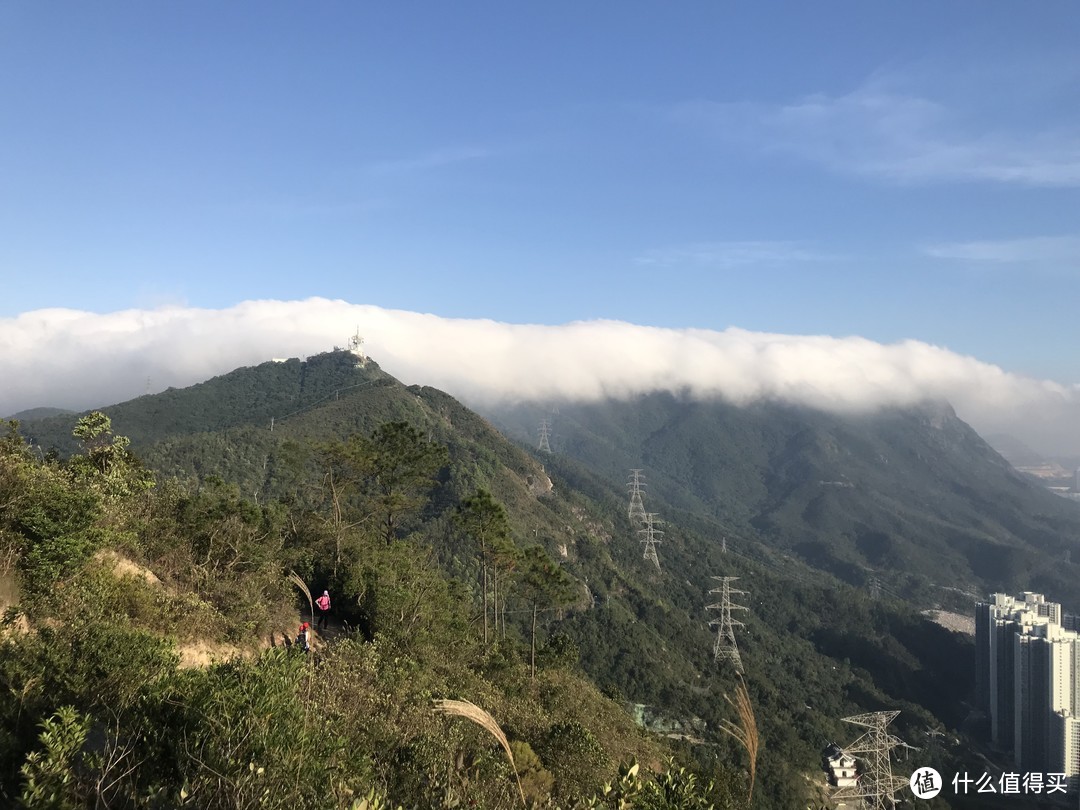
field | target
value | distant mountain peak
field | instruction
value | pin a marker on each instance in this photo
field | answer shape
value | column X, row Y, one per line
column 30, row 414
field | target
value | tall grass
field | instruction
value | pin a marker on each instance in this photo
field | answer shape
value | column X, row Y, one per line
column 295, row 579
column 745, row 731
column 299, row 583
column 470, row 711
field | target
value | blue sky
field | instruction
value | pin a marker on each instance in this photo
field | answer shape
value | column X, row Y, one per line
column 885, row 170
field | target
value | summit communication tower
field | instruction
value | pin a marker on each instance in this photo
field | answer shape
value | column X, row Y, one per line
column 545, row 434
column 636, row 485
column 652, row 537
column 725, row 648
column 356, row 348
column 876, row 786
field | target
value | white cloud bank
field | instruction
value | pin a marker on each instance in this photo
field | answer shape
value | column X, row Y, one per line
column 73, row 359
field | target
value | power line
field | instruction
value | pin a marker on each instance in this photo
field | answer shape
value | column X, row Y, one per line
column 333, row 394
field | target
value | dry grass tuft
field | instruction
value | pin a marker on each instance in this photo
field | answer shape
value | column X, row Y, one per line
column 470, row 711
column 745, row 731
column 299, row 583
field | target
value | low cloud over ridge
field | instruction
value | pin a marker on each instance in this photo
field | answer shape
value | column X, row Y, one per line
column 68, row 358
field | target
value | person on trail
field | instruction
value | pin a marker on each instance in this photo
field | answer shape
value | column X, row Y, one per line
column 323, row 604
column 303, row 638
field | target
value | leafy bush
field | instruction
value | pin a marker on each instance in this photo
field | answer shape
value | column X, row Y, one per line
column 50, row 775
column 575, row 756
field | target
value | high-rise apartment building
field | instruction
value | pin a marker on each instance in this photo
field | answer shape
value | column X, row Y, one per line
column 1031, row 702
column 997, row 623
column 1027, row 680
column 1065, row 747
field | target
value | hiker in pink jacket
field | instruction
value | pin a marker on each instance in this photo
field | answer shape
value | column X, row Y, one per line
column 323, row 604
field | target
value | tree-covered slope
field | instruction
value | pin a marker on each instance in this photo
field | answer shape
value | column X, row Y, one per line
column 815, row 649
column 254, row 427
column 252, row 395
column 913, row 495
column 38, row 413
column 112, row 573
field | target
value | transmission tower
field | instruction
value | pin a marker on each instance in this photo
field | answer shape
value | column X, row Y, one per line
column 874, row 586
column 876, row 785
column 636, row 486
column 545, row 434
column 725, row 648
column 652, row 537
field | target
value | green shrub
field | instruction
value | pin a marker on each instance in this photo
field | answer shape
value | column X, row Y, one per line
column 575, row 756
column 50, row 775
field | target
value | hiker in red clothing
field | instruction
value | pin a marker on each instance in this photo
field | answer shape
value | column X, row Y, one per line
column 323, row 604
column 303, row 638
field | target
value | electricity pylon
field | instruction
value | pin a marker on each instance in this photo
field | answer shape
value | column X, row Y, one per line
column 545, row 433
column 874, row 587
column 876, row 785
column 725, row 648
column 652, row 537
column 636, row 486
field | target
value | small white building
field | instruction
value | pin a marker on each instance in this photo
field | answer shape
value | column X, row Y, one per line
column 839, row 766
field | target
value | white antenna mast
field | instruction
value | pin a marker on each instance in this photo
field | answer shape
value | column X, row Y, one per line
column 356, row 347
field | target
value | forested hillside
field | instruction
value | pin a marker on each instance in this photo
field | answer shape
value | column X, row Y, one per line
column 911, row 498
column 287, row 467
column 108, row 576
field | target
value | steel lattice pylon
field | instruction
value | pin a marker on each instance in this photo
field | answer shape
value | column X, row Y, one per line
column 652, row 537
column 725, row 648
column 876, row 785
column 545, row 432
column 636, row 485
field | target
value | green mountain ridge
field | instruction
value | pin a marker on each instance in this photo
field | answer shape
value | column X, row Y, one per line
column 913, row 496
column 816, row 647
column 38, row 413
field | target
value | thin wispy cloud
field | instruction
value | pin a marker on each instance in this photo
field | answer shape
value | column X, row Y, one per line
column 302, row 209
column 68, row 358
column 1051, row 252
column 887, row 131
column 434, row 159
column 730, row 255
